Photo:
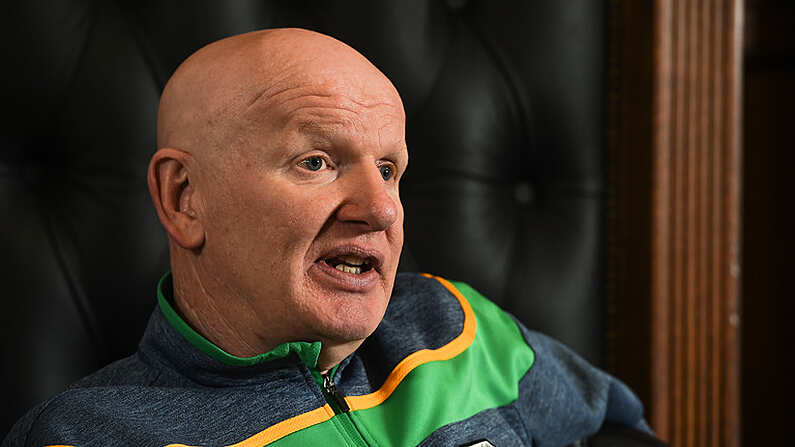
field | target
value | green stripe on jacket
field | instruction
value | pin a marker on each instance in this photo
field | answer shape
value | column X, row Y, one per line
column 484, row 376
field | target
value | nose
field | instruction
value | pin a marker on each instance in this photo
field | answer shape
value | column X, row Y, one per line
column 368, row 199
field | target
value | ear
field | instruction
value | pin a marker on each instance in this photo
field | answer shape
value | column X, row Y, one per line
column 175, row 197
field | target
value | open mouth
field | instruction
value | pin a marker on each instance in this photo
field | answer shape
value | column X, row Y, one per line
column 349, row 268
column 350, row 264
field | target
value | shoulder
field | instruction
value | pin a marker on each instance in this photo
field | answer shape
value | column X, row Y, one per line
column 585, row 396
column 555, row 385
column 423, row 296
column 52, row 420
column 431, row 312
column 130, row 370
column 431, row 319
column 440, row 310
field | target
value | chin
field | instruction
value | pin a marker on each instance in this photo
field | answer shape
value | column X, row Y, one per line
column 351, row 320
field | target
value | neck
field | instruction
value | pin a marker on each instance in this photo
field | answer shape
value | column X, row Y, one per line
column 332, row 354
column 225, row 326
column 199, row 310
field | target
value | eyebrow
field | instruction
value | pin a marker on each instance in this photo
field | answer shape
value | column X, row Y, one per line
column 401, row 152
column 313, row 128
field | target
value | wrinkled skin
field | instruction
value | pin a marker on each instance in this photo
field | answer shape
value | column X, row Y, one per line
column 280, row 149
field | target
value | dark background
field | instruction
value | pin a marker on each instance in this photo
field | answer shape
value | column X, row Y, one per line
column 768, row 222
column 506, row 189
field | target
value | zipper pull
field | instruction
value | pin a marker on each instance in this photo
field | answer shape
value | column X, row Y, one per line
column 331, row 390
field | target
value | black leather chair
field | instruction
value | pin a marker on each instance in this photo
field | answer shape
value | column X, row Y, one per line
column 506, row 104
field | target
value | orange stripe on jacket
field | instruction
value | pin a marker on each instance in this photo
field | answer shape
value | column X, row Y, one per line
column 363, row 402
column 448, row 351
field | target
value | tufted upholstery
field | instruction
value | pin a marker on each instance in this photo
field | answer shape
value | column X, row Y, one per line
column 506, row 119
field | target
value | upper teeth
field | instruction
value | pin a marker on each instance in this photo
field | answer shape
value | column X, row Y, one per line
column 352, row 260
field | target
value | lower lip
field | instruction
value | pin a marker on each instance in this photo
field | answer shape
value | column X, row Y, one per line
column 348, row 282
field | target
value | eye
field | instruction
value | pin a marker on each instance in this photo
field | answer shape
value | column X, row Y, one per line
column 386, row 171
column 314, row 163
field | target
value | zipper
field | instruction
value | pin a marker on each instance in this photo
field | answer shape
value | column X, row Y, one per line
column 331, row 390
column 337, row 401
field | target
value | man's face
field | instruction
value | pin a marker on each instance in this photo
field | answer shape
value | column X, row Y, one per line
column 304, row 215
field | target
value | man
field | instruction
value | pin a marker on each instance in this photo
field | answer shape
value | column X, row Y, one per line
column 282, row 322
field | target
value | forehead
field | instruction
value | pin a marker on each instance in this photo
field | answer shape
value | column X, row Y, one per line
column 332, row 110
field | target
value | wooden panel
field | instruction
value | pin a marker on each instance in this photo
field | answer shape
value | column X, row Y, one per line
column 695, row 222
column 674, row 165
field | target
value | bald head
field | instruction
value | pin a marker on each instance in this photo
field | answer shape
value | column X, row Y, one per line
column 205, row 103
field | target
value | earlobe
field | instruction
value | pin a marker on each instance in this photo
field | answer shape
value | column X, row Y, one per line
column 174, row 197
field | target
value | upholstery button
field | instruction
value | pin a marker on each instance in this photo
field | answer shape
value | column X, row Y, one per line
column 523, row 193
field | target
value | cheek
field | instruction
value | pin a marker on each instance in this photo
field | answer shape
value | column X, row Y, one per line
column 396, row 230
column 284, row 218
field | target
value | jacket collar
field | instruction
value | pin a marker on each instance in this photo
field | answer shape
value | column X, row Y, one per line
column 171, row 341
